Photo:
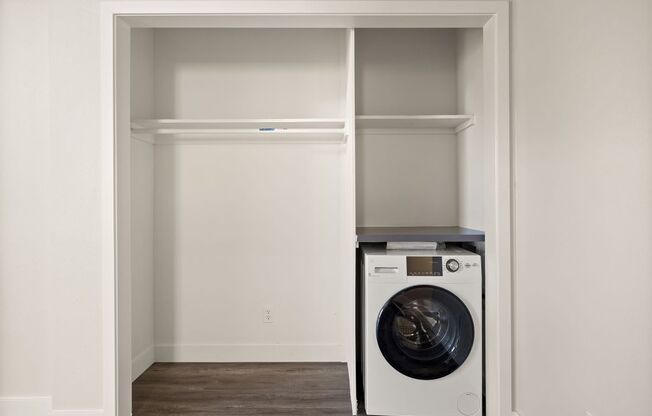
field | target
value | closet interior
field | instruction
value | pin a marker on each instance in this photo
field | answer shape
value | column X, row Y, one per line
column 262, row 157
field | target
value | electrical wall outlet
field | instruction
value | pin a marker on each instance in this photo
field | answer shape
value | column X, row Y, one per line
column 268, row 317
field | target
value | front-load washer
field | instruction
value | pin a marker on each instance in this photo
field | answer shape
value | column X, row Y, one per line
column 422, row 335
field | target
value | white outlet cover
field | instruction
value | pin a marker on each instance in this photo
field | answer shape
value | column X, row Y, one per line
column 268, row 316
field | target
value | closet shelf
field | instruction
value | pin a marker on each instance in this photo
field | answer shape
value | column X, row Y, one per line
column 164, row 131
column 449, row 234
column 451, row 123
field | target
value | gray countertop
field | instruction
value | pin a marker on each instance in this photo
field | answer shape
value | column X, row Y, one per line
column 450, row 234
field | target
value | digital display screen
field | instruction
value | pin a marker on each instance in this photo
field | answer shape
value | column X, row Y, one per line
column 424, row 266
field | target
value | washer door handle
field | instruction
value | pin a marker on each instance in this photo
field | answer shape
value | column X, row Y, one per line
column 386, row 269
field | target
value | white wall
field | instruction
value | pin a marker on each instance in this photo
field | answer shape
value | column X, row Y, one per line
column 142, row 205
column 49, row 205
column 582, row 154
column 74, row 178
column 255, row 73
column 583, row 208
column 239, row 227
column 395, row 67
column 25, row 165
column 404, row 177
column 142, row 258
column 470, row 143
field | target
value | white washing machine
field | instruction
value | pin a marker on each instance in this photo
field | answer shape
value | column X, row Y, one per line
column 422, row 333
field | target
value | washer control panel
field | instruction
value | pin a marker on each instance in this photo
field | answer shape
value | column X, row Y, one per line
column 454, row 265
column 424, row 266
column 394, row 266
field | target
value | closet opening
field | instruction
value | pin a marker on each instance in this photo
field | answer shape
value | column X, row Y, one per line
column 238, row 161
column 253, row 155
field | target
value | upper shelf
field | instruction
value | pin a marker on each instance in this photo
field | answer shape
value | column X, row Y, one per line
column 455, row 123
column 304, row 130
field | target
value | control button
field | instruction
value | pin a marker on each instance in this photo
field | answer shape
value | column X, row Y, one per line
column 468, row 404
column 467, row 265
column 452, row 265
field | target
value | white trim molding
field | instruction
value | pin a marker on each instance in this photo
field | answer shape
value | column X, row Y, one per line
column 250, row 353
column 39, row 406
column 142, row 362
column 492, row 16
column 78, row 412
column 25, row 406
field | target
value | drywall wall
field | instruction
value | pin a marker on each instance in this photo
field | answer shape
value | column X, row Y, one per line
column 142, row 205
column 241, row 227
column 142, row 74
column 582, row 157
column 249, row 73
column 582, row 207
column 26, row 356
column 74, row 178
column 142, row 258
column 405, row 71
column 50, row 345
column 470, row 144
column 406, row 177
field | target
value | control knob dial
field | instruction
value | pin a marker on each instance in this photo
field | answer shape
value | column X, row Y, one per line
column 452, row 265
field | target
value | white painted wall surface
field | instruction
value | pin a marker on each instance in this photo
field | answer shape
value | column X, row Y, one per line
column 74, row 178
column 392, row 169
column 583, row 208
column 470, row 143
column 49, row 206
column 395, row 67
column 249, row 73
column 142, row 205
column 142, row 258
column 26, row 357
column 581, row 89
column 239, row 227
column 406, row 72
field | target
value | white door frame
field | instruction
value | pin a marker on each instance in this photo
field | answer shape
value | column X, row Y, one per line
column 492, row 16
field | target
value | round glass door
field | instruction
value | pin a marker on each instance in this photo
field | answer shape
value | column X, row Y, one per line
column 425, row 332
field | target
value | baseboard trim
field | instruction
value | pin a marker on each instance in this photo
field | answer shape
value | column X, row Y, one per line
column 39, row 406
column 78, row 412
column 250, row 353
column 142, row 362
column 25, row 406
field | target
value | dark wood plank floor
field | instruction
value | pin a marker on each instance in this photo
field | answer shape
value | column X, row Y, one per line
column 203, row 389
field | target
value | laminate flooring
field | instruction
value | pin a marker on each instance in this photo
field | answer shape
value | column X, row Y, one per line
column 238, row 389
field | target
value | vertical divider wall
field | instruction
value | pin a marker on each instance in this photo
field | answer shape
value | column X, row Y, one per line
column 350, row 238
column 142, row 205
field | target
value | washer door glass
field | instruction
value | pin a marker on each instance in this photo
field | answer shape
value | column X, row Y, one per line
column 425, row 332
